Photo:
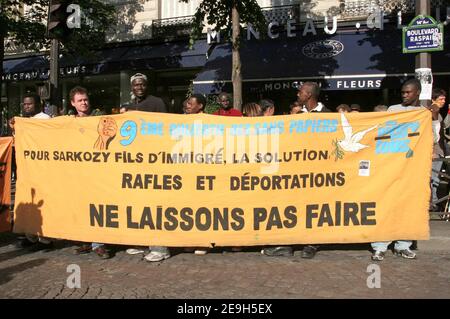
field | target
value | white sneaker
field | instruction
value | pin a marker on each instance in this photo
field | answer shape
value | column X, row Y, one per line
column 135, row 251
column 156, row 256
column 201, row 251
column 378, row 255
column 405, row 253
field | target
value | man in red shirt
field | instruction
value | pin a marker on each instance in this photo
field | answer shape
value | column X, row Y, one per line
column 226, row 108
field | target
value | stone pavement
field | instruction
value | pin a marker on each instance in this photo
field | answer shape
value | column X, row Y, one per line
column 336, row 272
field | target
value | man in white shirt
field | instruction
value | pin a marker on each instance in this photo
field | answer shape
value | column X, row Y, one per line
column 32, row 108
column 308, row 97
column 410, row 101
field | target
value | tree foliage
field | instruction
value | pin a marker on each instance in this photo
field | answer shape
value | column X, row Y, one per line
column 24, row 29
column 217, row 13
column 28, row 29
column 220, row 14
column 99, row 18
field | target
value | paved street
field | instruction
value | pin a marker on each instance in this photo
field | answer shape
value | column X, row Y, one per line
column 336, row 272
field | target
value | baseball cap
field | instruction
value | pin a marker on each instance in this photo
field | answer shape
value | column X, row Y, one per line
column 138, row 76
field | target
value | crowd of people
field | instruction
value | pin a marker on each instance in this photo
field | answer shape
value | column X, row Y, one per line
column 307, row 102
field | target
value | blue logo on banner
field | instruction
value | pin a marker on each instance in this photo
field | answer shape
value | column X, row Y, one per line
column 395, row 138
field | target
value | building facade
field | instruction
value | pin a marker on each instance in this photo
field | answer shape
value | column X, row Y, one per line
column 354, row 64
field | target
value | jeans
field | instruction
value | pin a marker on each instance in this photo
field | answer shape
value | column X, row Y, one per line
column 399, row 245
column 436, row 166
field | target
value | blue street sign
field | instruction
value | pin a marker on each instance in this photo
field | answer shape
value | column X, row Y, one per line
column 423, row 34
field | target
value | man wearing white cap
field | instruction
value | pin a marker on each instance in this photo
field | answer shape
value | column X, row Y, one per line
column 140, row 101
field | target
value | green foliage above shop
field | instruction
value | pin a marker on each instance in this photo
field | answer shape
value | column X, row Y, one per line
column 212, row 105
column 28, row 29
column 218, row 14
column 228, row 16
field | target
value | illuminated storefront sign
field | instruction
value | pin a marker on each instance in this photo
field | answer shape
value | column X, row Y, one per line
column 44, row 74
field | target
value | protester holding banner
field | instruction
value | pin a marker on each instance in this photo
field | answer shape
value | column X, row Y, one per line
column 80, row 101
column 31, row 108
column 308, row 96
column 410, row 101
column 196, row 105
column 254, row 109
column 5, row 183
column 140, row 100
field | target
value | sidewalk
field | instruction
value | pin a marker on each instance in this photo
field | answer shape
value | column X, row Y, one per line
column 439, row 237
column 337, row 272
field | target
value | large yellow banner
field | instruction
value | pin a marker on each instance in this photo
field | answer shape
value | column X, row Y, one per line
column 6, row 146
column 200, row 180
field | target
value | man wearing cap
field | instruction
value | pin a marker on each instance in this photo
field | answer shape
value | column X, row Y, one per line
column 140, row 100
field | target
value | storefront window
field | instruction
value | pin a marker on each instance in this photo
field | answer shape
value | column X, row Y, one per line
column 173, row 87
column 104, row 91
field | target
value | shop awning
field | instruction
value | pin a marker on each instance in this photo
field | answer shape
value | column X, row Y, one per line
column 37, row 67
column 344, row 61
column 98, row 62
column 28, row 68
column 155, row 56
column 167, row 56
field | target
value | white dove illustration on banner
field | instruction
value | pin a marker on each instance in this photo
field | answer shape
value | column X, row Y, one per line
column 350, row 143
